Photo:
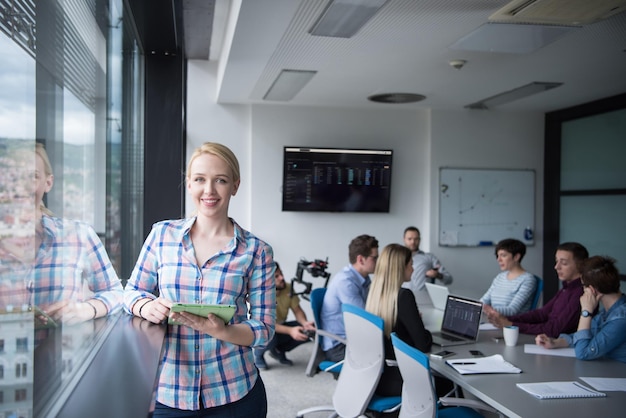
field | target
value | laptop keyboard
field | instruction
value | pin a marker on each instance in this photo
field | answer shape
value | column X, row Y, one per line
column 450, row 337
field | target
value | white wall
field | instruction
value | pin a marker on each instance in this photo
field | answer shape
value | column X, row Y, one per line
column 422, row 141
column 485, row 139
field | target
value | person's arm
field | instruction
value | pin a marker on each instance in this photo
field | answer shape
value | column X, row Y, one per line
column 409, row 323
column 552, row 319
column 99, row 272
column 302, row 319
column 549, row 342
column 486, row 298
column 143, row 281
column 592, row 345
column 350, row 293
column 439, row 272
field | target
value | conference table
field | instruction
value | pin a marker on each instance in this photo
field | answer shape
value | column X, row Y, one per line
column 500, row 390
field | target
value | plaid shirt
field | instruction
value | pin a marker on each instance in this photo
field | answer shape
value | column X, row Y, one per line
column 72, row 264
column 196, row 364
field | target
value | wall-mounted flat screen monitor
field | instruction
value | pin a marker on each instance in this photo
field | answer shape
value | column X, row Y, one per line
column 336, row 179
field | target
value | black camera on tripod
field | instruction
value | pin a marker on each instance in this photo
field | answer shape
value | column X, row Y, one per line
column 316, row 268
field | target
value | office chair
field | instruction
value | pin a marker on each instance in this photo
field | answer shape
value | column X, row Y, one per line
column 362, row 368
column 419, row 399
column 537, row 293
column 317, row 361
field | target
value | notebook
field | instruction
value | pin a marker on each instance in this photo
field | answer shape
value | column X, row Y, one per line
column 438, row 295
column 487, row 365
column 559, row 390
column 461, row 319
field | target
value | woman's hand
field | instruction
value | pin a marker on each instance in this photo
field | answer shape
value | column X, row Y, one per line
column 70, row 312
column 212, row 325
column 547, row 342
column 155, row 311
column 496, row 318
column 590, row 299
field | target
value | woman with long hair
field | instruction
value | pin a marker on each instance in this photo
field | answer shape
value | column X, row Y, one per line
column 396, row 305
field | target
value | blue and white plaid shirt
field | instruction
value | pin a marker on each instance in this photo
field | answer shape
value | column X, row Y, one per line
column 197, row 364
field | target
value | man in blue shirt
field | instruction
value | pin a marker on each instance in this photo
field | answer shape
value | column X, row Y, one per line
column 350, row 285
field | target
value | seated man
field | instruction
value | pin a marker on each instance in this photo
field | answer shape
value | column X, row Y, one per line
column 350, row 285
column 289, row 334
column 602, row 323
column 560, row 314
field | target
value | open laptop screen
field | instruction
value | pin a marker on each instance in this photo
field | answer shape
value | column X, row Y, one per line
column 462, row 317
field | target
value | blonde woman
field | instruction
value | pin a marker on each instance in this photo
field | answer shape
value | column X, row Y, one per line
column 68, row 273
column 208, row 366
column 398, row 309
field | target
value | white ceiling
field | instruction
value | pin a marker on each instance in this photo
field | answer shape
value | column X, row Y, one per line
column 405, row 48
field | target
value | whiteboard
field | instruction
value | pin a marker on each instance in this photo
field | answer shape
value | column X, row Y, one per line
column 483, row 206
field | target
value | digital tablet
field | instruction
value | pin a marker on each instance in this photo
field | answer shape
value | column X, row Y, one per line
column 42, row 319
column 225, row 312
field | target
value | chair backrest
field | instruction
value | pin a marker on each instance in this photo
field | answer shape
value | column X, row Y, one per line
column 537, row 293
column 363, row 363
column 317, row 360
column 317, row 299
column 418, row 394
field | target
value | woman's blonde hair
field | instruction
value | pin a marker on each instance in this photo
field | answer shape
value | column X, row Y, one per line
column 220, row 151
column 388, row 278
column 40, row 150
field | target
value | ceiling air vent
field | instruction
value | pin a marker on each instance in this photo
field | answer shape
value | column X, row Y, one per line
column 558, row 12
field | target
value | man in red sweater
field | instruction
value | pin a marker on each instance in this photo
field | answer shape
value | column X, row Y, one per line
column 561, row 313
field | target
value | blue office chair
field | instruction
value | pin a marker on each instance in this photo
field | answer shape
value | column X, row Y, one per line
column 537, row 293
column 419, row 398
column 361, row 370
column 317, row 362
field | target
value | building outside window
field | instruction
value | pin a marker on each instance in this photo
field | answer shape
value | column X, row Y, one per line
column 71, row 78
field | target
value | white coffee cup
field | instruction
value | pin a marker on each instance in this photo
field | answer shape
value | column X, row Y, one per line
column 510, row 335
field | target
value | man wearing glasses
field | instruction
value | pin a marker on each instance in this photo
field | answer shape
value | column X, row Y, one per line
column 350, row 285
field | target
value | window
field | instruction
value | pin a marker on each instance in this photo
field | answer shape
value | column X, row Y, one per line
column 585, row 180
column 71, row 78
column 21, row 345
column 20, row 395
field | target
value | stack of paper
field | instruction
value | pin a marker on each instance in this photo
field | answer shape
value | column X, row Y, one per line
column 559, row 390
column 476, row 365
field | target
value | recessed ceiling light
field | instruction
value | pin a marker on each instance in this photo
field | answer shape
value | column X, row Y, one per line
column 396, row 98
column 344, row 18
column 288, row 84
column 512, row 95
column 510, row 38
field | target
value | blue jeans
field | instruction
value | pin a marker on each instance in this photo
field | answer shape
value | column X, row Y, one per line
column 253, row 405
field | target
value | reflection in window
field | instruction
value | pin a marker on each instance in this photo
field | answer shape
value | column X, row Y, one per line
column 71, row 77
column 20, row 395
column 20, row 370
column 21, row 345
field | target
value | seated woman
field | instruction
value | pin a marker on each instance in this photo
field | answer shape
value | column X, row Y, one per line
column 512, row 291
column 396, row 305
column 602, row 324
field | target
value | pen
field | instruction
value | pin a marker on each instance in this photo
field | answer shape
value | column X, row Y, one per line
column 462, row 364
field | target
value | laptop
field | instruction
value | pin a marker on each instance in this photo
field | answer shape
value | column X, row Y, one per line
column 438, row 295
column 461, row 319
